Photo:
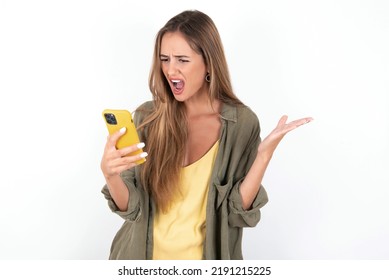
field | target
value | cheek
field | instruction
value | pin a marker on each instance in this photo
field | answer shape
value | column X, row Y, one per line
column 198, row 74
column 164, row 69
column 199, row 78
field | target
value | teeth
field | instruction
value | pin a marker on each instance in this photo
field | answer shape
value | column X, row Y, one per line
column 176, row 81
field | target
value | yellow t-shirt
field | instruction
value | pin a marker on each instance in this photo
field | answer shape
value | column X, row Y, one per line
column 180, row 233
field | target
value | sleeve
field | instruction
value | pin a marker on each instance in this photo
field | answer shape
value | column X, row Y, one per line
column 249, row 140
column 239, row 217
column 133, row 210
column 129, row 178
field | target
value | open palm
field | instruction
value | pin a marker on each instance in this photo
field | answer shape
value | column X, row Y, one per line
column 270, row 143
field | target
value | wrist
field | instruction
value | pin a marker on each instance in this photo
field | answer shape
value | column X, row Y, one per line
column 111, row 177
column 264, row 157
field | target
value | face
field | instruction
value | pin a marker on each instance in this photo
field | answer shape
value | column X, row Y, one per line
column 183, row 68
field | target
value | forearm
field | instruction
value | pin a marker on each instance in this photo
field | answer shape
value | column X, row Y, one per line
column 118, row 191
column 250, row 186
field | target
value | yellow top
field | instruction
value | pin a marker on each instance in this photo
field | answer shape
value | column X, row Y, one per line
column 180, row 233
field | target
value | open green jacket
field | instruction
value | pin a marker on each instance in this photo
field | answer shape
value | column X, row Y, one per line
column 225, row 217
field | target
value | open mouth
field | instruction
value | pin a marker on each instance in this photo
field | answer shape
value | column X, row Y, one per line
column 178, row 86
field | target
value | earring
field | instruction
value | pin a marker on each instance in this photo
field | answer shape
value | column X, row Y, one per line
column 208, row 78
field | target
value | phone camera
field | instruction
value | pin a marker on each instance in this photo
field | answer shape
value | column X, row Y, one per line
column 110, row 118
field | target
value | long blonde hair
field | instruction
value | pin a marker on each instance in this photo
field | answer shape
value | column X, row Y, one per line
column 166, row 124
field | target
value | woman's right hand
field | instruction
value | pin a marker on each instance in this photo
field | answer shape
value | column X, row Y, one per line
column 115, row 161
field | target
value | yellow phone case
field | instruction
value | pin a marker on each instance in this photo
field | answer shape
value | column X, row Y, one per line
column 115, row 120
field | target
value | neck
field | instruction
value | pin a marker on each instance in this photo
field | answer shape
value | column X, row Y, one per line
column 202, row 106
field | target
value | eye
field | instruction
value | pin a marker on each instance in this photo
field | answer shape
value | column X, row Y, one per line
column 183, row 60
column 164, row 59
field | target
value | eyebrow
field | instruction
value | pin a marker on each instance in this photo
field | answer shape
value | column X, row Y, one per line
column 177, row 56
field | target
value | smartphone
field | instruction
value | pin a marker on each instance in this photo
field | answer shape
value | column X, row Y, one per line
column 115, row 120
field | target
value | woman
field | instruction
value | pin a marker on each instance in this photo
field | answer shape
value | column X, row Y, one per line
column 201, row 182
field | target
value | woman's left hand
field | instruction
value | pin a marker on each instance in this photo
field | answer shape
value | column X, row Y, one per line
column 270, row 143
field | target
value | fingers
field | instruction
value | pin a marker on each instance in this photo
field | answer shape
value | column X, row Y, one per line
column 283, row 127
column 296, row 123
column 113, row 138
column 300, row 122
column 118, row 165
column 130, row 149
column 115, row 161
column 270, row 142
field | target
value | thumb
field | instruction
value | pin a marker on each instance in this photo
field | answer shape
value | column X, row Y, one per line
column 282, row 121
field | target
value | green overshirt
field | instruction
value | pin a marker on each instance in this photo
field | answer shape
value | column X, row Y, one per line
column 225, row 216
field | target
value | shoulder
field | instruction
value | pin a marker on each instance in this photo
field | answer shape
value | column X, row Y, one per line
column 146, row 106
column 241, row 124
column 142, row 111
column 247, row 122
column 239, row 115
column 245, row 114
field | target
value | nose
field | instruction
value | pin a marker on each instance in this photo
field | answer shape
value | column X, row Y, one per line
column 171, row 69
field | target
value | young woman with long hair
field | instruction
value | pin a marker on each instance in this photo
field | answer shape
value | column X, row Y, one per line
column 201, row 182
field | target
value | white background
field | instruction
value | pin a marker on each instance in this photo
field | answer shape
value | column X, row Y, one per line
column 63, row 62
